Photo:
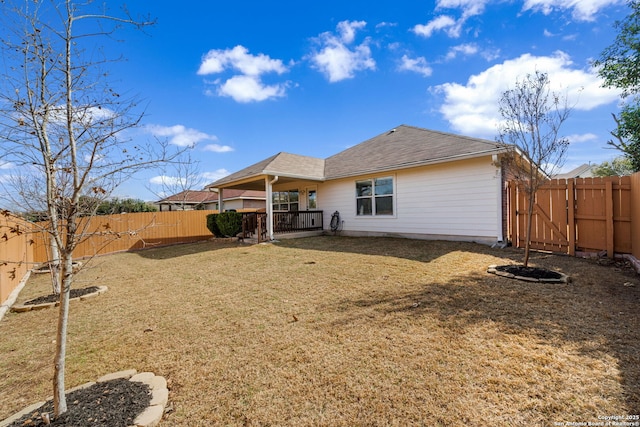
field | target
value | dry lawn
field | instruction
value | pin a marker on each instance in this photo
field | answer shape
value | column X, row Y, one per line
column 335, row 331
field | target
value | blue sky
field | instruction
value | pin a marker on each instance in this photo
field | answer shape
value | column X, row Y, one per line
column 246, row 80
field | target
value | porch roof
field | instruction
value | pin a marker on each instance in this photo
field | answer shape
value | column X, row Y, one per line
column 287, row 166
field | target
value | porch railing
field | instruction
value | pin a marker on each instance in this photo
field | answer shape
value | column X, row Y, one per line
column 293, row 221
column 254, row 224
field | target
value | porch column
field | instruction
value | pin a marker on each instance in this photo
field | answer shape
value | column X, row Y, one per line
column 269, row 187
column 220, row 201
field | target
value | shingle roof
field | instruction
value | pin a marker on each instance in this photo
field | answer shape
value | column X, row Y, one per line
column 191, row 196
column 403, row 147
column 282, row 164
column 195, row 196
column 582, row 171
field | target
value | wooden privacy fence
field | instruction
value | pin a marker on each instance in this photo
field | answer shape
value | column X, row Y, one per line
column 16, row 252
column 580, row 214
column 133, row 231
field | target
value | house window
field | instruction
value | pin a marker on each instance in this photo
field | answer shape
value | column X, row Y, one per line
column 374, row 196
column 285, row 200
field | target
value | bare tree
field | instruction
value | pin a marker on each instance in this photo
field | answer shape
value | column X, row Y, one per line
column 63, row 127
column 532, row 116
column 177, row 180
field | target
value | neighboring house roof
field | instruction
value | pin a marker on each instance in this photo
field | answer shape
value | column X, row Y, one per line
column 402, row 147
column 191, row 196
column 197, row 197
column 582, row 171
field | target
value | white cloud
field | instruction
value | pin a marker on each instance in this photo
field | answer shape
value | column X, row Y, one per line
column 198, row 181
column 418, row 65
column 239, row 59
column 247, row 86
column 180, row 135
column 169, row 181
column 83, row 114
column 347, row 30
column 96, row 158
column 469, row 49
column 6, row 165
column 386, row 24
column 442, row 22
column 469, row 7
column 336, row 60
column 580, row 138
column 582, row 10
column 472, row 108
column 216, row 148
column 215, row 175
column 451, row 26
column 464, row 49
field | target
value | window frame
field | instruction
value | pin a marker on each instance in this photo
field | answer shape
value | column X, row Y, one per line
column 372, row 197
column 277, row 202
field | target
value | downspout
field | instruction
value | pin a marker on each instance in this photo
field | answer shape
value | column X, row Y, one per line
column 220, row 201
column 495, row 159
column 270, row 204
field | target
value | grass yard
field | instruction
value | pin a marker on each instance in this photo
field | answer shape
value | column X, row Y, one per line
column 336, row 331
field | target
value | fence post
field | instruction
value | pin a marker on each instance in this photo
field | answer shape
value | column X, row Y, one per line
column 609, row 216
column 571, row 215
column 513, row 234
column 635, row 214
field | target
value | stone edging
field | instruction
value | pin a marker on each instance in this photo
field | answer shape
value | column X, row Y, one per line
column 635, row 263
column 150, row 417
column 19, row 308
column 563, row 277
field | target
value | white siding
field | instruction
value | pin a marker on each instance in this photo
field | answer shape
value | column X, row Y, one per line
column 456, row 200
column 232, row 204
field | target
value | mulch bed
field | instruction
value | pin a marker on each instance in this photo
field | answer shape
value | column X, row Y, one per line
column 75, row 293
column 112, row 403
column 531, row 272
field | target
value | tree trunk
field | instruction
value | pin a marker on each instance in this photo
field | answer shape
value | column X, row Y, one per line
column 54, row 266
column 527, row 244
column 59, row 398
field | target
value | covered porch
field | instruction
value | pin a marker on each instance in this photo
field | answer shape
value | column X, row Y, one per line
column 291, row 185
column 285, row 224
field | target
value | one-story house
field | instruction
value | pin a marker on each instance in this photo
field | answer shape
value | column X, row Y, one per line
column 208, row 200
column 407, row 182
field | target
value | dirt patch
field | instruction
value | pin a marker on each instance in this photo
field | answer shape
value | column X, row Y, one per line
column 528, row 274
column 112, row 403
column 531, row 272
column 52, row 298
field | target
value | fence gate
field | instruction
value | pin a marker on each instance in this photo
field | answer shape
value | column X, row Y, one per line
column 550, row 229
column 586, row 214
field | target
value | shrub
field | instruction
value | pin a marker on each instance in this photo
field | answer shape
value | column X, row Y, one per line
column 212, row 225
column 229, row 223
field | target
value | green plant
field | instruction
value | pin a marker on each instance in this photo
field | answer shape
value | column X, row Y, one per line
column 212, row 225
column 229, row 223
